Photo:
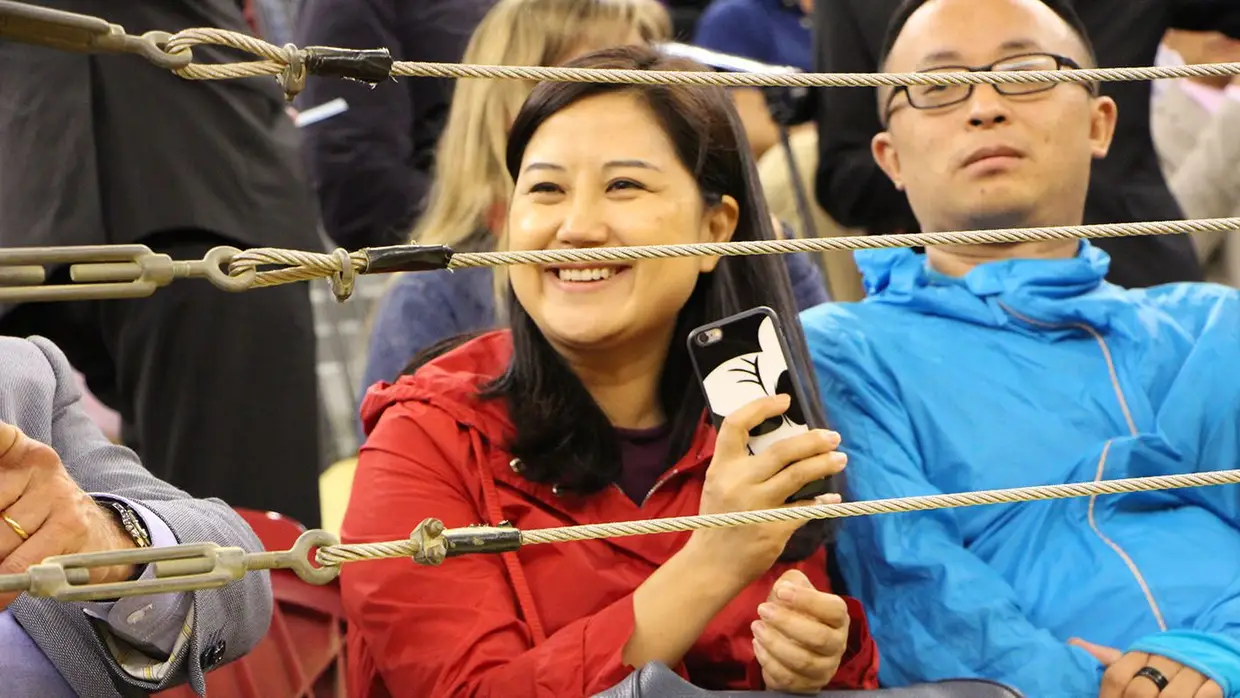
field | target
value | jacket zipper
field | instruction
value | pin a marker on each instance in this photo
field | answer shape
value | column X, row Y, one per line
column 657, row 484
column 1102, row 460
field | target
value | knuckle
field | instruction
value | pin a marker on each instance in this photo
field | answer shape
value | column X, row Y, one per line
column 803, row 665
column 732, row 422
column 40, row 455
column 1134, row 689
column 778, row 678
column 824, row 640
column 836, row 609
column 1113, row 681
column 782, row 451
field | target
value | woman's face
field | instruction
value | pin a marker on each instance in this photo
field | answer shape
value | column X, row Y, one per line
column 602, row 173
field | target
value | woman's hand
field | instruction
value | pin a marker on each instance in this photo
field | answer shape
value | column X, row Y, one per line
column 801, row 636
column 737, row 481
column 1122, row 681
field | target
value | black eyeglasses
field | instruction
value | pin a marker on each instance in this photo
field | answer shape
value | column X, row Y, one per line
column 940, row 96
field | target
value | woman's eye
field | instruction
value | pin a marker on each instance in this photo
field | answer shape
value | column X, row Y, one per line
column 623, row 184
column 544, row 188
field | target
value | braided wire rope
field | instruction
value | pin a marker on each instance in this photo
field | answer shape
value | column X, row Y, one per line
column 354, row 552
column 276, row 60
column 305, row 266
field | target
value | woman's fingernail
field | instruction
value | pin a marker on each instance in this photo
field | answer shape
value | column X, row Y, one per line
column 832, row 437
column 828, row 499
column 784, row 592
column 758, row 627
column 766, row 610
column 839, row 459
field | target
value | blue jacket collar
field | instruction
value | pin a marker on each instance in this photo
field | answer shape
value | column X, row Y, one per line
column 1052, row 291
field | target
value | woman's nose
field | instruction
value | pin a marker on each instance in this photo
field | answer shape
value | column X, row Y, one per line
column 584, row 225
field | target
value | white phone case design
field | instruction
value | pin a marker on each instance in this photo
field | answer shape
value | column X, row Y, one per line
column 743, row 378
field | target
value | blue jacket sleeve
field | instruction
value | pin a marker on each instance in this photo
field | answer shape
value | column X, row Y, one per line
column 936, row 610
column 1214, row 655
column 1201, row 427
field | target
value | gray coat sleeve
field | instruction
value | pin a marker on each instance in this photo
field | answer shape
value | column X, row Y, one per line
column 38, row 394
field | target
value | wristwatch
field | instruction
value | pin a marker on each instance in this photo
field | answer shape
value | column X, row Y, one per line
column 129, row 520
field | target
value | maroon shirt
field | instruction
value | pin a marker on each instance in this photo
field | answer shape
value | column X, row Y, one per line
column 643, row 459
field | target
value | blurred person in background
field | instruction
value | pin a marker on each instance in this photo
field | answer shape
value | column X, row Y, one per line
column 1128, row 185
column 775, row 32
column 372, row 164
column 217, row 391
column 1196, row 124
column 778, row 32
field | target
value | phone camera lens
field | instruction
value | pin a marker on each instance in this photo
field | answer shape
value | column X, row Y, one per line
column 709, row 337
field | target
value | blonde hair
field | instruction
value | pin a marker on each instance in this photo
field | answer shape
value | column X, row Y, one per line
column 470, row 174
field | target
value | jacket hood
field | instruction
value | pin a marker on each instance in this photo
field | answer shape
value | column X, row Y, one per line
column 990, row 292
column 452, row 383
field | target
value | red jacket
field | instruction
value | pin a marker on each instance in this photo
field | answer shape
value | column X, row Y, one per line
column 549, row 620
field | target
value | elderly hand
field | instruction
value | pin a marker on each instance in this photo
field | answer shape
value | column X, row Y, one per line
column 802, row 635
column 45, row 513
column 1122, row 681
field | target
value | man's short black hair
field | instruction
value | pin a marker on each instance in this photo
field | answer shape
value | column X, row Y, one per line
column 1063, row 8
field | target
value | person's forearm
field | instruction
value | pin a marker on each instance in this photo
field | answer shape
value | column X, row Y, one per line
column 674, row 605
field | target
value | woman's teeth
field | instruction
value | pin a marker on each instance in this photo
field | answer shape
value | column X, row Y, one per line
column 597, row 274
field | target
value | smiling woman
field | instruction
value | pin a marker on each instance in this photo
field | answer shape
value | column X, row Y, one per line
column 587, row 411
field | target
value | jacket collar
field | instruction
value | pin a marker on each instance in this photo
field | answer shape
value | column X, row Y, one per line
column 1058, row 292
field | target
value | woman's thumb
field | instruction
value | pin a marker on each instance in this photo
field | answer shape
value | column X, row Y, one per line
column 1104, row 654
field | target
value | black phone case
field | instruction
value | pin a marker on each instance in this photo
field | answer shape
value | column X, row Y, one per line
column 745, row 357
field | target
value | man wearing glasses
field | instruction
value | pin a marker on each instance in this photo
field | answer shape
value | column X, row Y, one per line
column 1004, row 365
column 1127, row 186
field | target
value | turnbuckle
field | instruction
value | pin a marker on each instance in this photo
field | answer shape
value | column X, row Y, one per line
column 178, row 568
column 70, row 31
column 110, row 271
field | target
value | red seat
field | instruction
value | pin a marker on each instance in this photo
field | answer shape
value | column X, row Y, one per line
column 302, row 655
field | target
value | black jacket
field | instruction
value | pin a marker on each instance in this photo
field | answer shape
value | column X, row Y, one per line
column 371, row 166
column 98, row 149
column 1126, row 186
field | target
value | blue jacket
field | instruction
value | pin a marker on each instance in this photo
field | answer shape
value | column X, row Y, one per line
column 1030, row 372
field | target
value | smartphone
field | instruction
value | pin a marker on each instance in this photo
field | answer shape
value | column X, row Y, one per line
column 745, row 357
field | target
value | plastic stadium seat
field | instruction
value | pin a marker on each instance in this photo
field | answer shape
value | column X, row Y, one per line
column 302, row 655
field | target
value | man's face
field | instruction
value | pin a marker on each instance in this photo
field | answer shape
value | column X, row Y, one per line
column 991, row 160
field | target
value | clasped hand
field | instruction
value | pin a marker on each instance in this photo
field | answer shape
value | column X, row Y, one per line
column 50, row 510
column 1121, row 679
column 801, row 636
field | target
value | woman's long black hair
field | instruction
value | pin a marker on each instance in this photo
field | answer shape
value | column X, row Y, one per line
column 562, row 437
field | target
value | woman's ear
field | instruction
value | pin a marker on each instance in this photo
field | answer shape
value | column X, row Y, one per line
column 719, row 225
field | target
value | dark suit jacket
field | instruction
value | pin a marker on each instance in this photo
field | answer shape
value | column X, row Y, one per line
column 372, row 165
column 1126, row 186
column 110, row 149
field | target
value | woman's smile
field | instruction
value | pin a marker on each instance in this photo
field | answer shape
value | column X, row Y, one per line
column 585, row 278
